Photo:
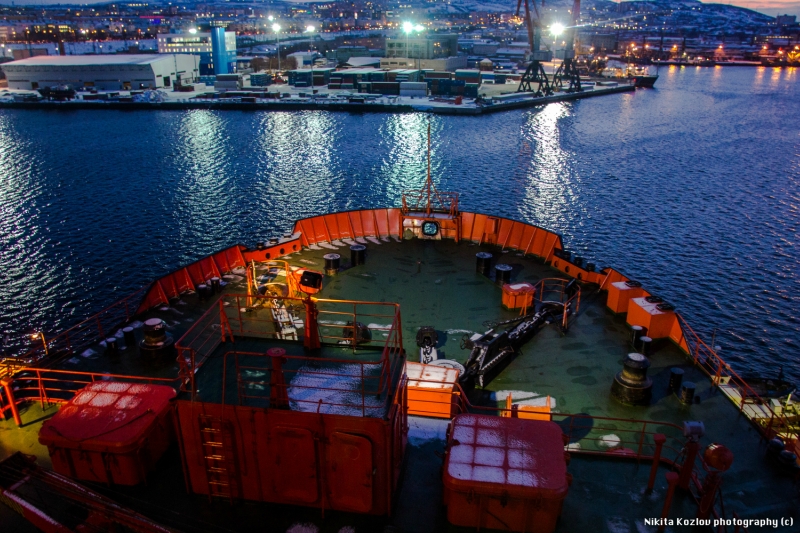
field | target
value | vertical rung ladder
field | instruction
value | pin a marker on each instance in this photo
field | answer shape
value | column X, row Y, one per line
column 217, row 443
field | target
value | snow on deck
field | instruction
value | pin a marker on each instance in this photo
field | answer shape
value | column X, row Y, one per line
column 335, row 389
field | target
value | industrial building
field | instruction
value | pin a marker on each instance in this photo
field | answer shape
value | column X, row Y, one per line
column 203, row 45
column 104, row 72
column 427, row 47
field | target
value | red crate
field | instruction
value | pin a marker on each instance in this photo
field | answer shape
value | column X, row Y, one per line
column 110, row 432
column 505, row 473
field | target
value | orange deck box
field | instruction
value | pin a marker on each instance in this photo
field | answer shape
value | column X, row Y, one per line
column 431, row 389
column 620, row 294
column 505, row 473
column 643, row 313
column 110, row 432
column 518, row 295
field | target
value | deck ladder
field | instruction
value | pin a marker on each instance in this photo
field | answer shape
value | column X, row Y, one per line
column 217, row 443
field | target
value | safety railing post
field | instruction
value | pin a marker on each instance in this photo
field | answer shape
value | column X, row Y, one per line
column 12, row 403
column 641, row 442
column 659, row 439
column 99, row 326
column 688, row 464
column 672, row 480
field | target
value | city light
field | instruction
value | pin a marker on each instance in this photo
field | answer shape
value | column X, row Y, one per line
column 276, row 28
column 557, row 29
column 193, row 31
column 408, row 27
column 310, row 29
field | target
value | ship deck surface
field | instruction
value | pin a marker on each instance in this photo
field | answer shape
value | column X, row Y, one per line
column 436, row 285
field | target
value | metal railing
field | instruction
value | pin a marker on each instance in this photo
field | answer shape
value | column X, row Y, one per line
column 311, row 384
column 52, row 386
column 285, row 318
column 553, row 289
column 77, row 338
column 721, row 373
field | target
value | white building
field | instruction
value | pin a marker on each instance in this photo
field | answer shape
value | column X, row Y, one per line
column 104, row 72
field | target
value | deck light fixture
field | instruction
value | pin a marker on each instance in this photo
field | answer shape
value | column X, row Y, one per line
column 40, row 335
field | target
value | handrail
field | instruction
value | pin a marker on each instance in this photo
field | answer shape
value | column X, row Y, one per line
column 719, row 371
column 77, row 337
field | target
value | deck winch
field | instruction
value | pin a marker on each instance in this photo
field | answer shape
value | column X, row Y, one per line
column 492, row 351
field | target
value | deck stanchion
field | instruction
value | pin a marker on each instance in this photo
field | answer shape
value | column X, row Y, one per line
column 688, row 464
column 12, row 404
column 659, row 439
column 672, row 480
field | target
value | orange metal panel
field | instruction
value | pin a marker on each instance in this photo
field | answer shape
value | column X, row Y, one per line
column 478, row 227
column 430, row 390
column 659, row 324
column 355, row 223
column 467, row 220
column 676, row 334
column 504, row 231
column 619, row 296
column 382, row 222
column 304, row 227
column 540, row 242
column 515, row 240
column 394, row 222
column 320, row 232
column 295, row 461
column 345, row 227
column 368, row 223
column 168, row 286
column 332, row 224
column 349, row 472
column 526, row 241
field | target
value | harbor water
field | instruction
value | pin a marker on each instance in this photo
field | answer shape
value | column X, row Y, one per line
column 692, row 188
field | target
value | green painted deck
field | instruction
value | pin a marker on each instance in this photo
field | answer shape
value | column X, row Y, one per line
column 436, row 285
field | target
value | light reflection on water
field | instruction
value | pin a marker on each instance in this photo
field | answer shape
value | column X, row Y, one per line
column 691, row 188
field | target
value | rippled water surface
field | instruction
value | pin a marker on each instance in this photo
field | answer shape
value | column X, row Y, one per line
column 691, row 188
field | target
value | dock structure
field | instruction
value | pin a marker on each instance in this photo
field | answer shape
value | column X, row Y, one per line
column 357, row 104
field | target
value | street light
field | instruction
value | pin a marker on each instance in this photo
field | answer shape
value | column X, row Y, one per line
column 408, row 28
column 310, row 29
column 556, row 29
column 277, row 28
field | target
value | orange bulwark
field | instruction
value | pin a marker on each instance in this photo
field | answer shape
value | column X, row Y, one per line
column 431, row 390
column 505, row 474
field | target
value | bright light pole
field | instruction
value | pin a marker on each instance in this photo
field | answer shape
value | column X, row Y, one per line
column 277, row 28
column 556, row 29
column 310, row 29
column 408, row 28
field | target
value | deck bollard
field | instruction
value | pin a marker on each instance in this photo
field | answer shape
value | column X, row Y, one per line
column 659, row 439
column 12, row 404
column 672, row 480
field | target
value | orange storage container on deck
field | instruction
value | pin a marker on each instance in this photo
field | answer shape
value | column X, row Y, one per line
column 505, row 473
column 430, row 390
column 643, row 313
column 518, row 295
column 110, row 432
column 620, row 294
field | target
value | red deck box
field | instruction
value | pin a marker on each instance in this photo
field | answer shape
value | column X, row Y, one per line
column 505, row 473
column 110, row 432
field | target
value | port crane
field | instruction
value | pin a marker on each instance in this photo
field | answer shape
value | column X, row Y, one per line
column 567, row 73
column 534, row 74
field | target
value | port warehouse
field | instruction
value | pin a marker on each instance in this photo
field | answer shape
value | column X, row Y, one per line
column 103, row 72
